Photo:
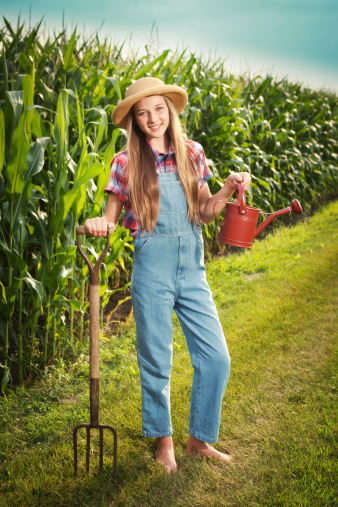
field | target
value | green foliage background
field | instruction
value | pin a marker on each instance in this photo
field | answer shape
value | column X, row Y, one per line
column 57, row 141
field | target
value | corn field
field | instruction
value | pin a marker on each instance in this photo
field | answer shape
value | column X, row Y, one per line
column 57, row 141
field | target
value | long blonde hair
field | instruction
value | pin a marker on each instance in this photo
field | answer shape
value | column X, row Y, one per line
column 143, row 180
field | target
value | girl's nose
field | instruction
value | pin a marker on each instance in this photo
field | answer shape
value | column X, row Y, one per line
column 151, row 118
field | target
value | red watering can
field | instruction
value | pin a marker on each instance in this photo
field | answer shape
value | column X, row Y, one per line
column 240, row 220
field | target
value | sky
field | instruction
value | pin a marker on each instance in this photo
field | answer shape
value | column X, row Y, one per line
column 297, row 39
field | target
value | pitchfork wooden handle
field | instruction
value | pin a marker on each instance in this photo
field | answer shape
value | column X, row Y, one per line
column 93, row 270
column 82, row 229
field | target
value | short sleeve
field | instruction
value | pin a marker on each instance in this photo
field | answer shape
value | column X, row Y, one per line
column 202, row 168
column 118, row 178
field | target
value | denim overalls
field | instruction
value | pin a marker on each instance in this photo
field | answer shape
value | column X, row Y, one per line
column 169, row 274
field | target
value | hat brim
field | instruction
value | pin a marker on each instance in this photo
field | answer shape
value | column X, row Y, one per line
column 176, row 94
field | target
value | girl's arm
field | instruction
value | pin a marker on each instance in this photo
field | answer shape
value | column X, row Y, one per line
column 207, row 202
column 98, row 226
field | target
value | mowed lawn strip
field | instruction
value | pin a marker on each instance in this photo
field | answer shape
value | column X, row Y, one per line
column 278, row 306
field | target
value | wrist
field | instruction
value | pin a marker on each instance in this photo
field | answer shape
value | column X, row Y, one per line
column 229, row 187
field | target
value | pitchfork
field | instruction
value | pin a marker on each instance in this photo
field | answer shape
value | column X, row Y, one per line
column 94, row 352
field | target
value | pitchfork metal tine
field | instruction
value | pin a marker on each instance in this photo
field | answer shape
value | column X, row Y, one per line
column 100, row 427
column 87, row 449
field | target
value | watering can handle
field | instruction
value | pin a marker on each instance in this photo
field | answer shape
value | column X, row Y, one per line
column 241, row 201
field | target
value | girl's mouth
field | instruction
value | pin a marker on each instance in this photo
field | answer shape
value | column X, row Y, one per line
column 155, row 127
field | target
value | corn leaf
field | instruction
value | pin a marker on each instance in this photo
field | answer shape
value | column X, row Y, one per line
column 5, row 378
column 35, row 160
column 68, row 58
column 2, row 140
column 17, row 161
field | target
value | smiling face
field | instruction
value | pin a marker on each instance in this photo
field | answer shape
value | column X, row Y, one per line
column 152, row 116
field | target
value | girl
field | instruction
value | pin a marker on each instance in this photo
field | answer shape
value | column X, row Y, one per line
column 160, row 179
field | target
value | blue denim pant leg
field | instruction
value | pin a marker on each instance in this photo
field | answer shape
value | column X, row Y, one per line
column 153, row 287
column 208, row 350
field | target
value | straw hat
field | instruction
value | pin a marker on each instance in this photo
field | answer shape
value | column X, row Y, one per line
column 145, row 87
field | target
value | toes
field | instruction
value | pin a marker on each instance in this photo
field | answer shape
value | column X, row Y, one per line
column 210, row 452
column 167, row 461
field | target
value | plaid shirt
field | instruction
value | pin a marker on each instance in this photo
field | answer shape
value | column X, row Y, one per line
column 165, row 163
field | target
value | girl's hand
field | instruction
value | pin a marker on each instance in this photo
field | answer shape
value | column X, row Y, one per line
column 234, row 179
column 98, row 226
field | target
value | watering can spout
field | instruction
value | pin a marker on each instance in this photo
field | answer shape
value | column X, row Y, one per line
column 295, row 207
column 240, row 220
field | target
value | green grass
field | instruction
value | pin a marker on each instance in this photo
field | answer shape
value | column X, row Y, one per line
column 277, row 304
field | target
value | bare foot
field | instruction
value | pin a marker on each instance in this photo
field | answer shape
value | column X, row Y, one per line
column 164, row 454
column 205, row 450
